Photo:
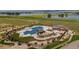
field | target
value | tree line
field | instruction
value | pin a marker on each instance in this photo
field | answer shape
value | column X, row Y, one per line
column 10, row 13
column 14, row 13
column 59, row 15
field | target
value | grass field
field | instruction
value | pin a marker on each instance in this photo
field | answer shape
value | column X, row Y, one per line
column 28, row 20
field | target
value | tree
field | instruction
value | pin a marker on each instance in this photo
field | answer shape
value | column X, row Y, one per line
column 66, row 15
column 49, row 16
column 29, row 44
column 53, row 40
column 17, row 13
column 35, row 43
column 42, row 44
column 12, row 13
column 48, row 42
column 61, row 15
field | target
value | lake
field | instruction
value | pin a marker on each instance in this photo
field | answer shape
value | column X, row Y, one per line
column 76, row 17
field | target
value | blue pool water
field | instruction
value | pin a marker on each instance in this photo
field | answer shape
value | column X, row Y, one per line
column 34, row 30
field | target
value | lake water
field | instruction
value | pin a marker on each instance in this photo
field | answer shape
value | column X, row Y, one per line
column 76, row 17
column 73, row 16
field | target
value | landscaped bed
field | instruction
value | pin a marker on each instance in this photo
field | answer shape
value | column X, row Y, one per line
column 15, row 37
column 4, row 43
column 54, row 44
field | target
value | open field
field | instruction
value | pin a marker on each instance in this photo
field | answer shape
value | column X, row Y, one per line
column 28, row 20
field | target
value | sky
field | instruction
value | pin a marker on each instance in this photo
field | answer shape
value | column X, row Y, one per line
column 39, row 4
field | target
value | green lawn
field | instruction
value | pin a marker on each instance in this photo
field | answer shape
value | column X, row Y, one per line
column 15, row 37
column 28, row 20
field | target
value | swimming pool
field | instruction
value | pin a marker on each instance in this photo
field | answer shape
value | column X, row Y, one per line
column 33, row 30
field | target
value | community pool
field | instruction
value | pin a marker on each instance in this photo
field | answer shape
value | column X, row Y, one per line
column 33, row 30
